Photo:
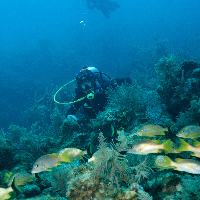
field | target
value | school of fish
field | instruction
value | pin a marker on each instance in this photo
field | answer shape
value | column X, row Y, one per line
column 142, row 147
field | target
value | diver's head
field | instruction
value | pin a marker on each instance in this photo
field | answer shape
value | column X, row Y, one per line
column 87, row 87
column 84, row 76
column 87, row 74
column 86, row 79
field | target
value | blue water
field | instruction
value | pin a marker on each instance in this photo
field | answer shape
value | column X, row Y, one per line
column 45, row 43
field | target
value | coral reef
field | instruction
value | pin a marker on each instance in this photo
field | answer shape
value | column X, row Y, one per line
column 179, row 81
column 85, row 186
column 110, row 164
column 6, row 153
column 190, row 186
column 57, row 120
column 190, row 116
column 59, row 178
column 46, row 197
column 168, row 97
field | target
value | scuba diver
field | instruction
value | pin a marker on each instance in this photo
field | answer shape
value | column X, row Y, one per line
column 92, row 85
column 105, row 6
column 91, row 92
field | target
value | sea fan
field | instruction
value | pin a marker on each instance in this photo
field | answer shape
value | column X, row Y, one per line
column 111, row 164
column 59, row 178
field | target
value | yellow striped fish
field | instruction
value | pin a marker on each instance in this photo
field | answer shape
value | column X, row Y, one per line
column 151, row 130
column 145, row 147
column 186, row 147
column 186, row 165
column 189, row 132
column 73, row 153
column 5, row 193
column 46, row 162
column 17, row 179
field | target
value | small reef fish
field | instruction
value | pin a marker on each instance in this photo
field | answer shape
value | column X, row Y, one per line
column 145, row 147
column 97, row 155
column 186, row 147
column 189, row 132
column 72, row 153
column 186, row 165
column 14, row 180
column 101, row 155
column 151, row 130
column 5, row 193
column 46, row 162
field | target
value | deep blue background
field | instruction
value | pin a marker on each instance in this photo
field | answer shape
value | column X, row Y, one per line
column 42, row 42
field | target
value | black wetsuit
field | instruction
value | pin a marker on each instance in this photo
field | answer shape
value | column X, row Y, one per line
column 91, row 107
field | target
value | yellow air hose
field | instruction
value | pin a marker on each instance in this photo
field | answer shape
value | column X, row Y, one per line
column 89, row 96
column 54, row 98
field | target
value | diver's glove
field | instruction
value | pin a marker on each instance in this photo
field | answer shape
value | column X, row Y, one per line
column 91, row 95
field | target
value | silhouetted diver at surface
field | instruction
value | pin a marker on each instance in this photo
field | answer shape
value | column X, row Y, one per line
column 105, row 6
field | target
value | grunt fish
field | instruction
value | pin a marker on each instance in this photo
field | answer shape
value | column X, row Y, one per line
column 151, row 130
column 5, row 193
column 145, row 147
column 186, row 165
column 189, row 132
column 186, row 147
column 14, row 180
column 46, row 162
column 73, row 153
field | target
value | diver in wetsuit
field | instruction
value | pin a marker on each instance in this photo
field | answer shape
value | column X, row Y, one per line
column 105, row 6
column 91, row 84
